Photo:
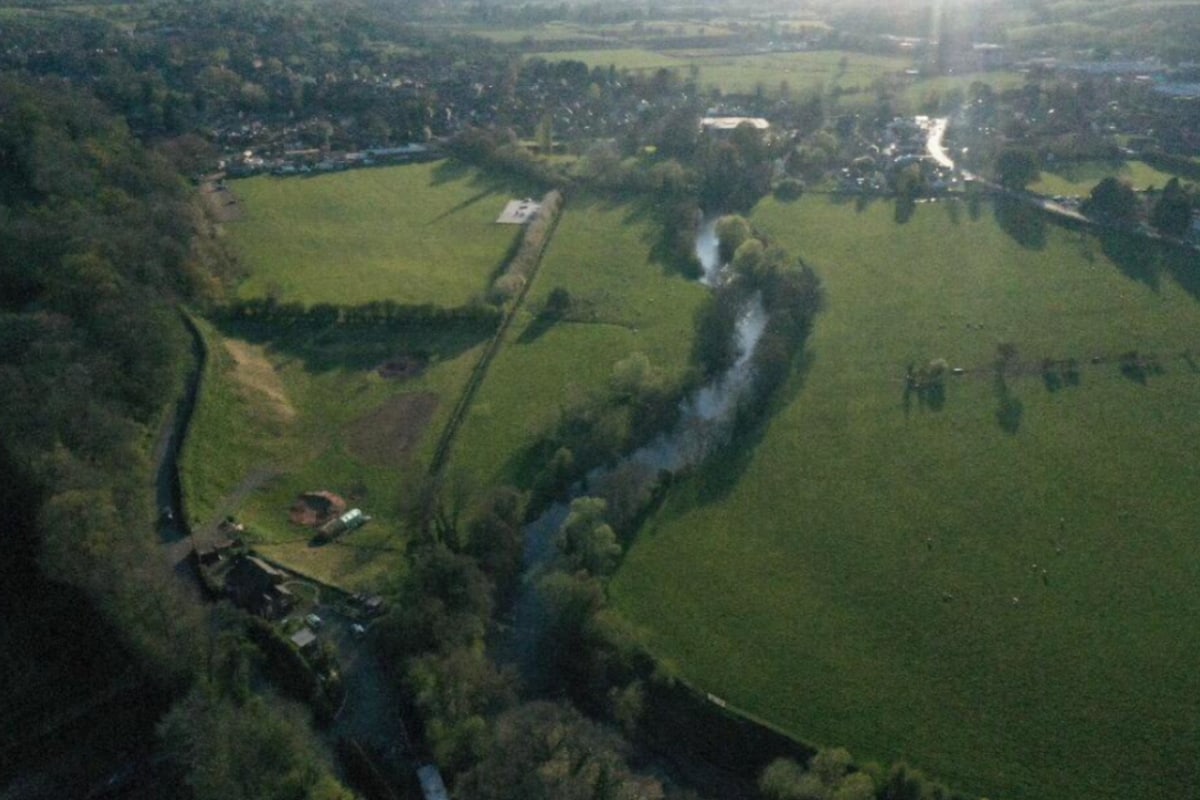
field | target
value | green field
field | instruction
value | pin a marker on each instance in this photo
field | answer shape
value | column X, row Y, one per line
column 733, row 73
column 1078, row 179
column 632, row 58
column 600, row 253
column 871, row 576
column 931, row 91
column 414, row 234
column 283, row 412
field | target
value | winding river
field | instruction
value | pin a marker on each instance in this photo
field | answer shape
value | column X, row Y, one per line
column 705, row 421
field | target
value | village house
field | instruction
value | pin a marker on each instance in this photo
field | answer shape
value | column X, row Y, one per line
column 254, row 585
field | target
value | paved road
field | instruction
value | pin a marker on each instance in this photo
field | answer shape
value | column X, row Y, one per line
column 934, row 145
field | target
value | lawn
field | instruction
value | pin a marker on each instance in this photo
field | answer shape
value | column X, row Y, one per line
column 285, row 411
column 825, row 71
column 1008, row 607
column 423, row 233
column 631, row 58
column 925, row 95
column 1079, row 178
column 821, row 71
column 626, row 303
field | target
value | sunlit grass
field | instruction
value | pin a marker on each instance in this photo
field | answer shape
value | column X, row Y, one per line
column 1079, row 178
column 423, row 233
column 1009, row 611
column 624, row 303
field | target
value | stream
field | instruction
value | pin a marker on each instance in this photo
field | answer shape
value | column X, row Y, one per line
column 705, row 420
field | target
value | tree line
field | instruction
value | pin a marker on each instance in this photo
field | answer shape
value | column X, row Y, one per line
column 376, row 313
column 100, row 240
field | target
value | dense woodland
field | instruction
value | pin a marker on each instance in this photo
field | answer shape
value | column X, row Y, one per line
column 101, row 242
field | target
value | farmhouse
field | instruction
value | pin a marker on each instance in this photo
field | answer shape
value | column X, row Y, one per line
column 518, row 212
column 254, row 585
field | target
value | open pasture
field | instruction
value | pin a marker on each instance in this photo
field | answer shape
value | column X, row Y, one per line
column 998, row 585
column 285, row 411
column 1079, row 178
column 422, row 233
column 736, row 72
column 623, row 302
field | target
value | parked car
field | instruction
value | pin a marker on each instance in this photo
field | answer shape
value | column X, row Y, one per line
column 358, row 630
column 314, row 621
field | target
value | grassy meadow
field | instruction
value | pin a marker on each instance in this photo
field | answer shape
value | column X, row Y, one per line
column 1079, row 178
column 288, row 409
column 622, row 302
column 422, row 233
column 281, row 413
column 821, row 71
column 1000, row 590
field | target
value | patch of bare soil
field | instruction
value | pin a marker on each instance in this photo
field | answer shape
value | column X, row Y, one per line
column 402, row 368
column 313, row 509
column 254, row 371
column 389, row 435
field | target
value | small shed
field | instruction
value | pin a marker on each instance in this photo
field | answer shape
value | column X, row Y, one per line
column 432, row 785
column 518, row 212
column 304, row 638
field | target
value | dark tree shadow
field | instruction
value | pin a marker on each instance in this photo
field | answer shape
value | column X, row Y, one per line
column 356, row 347
column 1071, row 372
column 450, row 170
column 1136, row 256
column 906, row 206
column 1138, row 367
column 1052, row 378
column 1009, row 408
column 1022, row 221
column 537, row 328
column 933, row 396
column 974, row 206
column 722, row 471
column 1183, row 264
column 953, row 210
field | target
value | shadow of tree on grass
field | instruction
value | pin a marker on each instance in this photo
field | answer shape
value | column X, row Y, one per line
column 1024, row 223
column 359, row 348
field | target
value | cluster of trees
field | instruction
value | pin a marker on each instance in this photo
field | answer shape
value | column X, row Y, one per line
column 97, row 237
column 99, row 240
column 1172, row 211
column 791, row 296
column 831, row 775
column 637, row 404
column 382, row 313
column 248, row 748
column 534, row 237
column 490, row 745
